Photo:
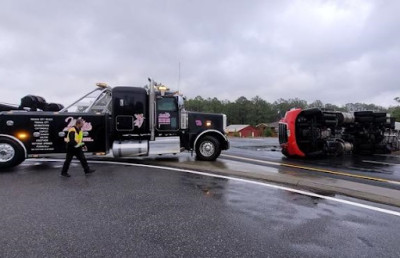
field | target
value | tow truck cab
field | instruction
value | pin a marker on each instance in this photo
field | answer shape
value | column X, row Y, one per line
column 125, row 121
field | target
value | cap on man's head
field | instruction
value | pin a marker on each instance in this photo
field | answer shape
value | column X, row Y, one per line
column 79, row 121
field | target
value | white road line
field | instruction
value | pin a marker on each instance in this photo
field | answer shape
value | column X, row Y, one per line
column 380, row 163
column 369, row 207
column 250, row 159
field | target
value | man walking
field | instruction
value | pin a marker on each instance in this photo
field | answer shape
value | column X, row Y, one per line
column 75, row 143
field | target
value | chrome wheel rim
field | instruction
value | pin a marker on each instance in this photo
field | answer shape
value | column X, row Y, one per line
column 7, row 152
column 207, row 149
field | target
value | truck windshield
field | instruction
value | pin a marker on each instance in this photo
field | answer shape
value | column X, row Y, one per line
column 96, row 101
column 166, row 104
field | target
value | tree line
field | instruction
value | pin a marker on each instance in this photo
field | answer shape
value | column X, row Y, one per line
column 256, row 110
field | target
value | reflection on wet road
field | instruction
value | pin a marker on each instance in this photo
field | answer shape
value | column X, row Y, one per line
column 378, row 168
column 129, row 210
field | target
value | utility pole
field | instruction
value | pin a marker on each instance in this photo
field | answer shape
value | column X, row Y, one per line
column 179, row 76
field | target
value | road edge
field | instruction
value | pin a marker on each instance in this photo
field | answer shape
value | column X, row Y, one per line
column 318, row 184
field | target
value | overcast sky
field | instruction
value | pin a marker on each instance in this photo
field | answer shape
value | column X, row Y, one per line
column 334, row 51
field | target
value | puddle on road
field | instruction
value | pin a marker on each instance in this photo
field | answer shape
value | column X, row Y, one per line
column 209, row 186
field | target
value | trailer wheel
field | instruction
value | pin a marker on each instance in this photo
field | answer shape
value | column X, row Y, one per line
column 11, row 153
column 208, row 148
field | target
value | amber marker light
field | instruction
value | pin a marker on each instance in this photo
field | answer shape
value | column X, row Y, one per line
column 208, row 123
column 22, row 136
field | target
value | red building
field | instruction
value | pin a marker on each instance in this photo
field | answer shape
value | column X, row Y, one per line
column 243, row 131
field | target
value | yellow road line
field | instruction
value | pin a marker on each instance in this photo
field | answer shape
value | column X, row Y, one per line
column 337, row 173
column 315, row 169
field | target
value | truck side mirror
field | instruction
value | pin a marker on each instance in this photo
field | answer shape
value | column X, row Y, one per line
column 180, row 102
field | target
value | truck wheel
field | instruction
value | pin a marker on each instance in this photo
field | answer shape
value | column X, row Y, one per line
column 11, row 153
column 208, row 148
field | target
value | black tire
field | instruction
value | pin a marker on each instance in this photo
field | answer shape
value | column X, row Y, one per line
column 53, row 107
column 11, row 153
column 41, row 103
column 208, row 148
column 33, row 102
column 30, row 102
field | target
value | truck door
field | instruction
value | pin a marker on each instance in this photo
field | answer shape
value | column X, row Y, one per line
column 130, row 111
column 167, row 114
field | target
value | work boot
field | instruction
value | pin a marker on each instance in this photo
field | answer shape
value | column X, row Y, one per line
column 65, row 175
column 90, row 171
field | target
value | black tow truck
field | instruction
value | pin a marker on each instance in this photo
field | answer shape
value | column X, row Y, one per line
column 119, row 121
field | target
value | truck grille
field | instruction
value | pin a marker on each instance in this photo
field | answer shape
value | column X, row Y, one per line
column 283, row 138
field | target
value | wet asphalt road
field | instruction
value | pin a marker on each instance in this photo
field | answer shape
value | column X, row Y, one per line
column 140, row 211
column 267, row 149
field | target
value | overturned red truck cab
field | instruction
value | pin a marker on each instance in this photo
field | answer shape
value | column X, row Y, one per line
column 315, row 132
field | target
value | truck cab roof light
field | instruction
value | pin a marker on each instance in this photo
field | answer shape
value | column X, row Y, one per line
column 102, row 85
column 162, row 89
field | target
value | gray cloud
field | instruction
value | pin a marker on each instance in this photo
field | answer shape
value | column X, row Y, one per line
column 335, row 51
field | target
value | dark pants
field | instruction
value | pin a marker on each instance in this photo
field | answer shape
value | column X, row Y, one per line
column 78, row 153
